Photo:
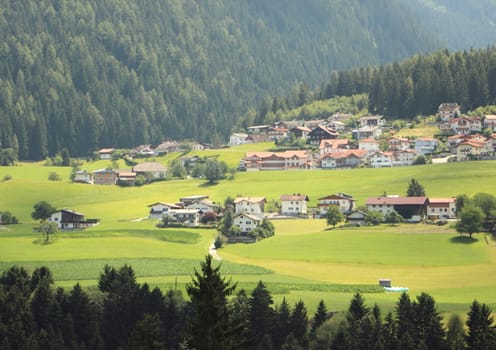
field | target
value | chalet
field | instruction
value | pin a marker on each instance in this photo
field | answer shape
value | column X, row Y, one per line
column 441, row 208
column 462, row 125
column 425, row 145
column 367, row 132
column 300, row 132
column 472, row 149
column 275, row 133
column 105, row 153
column 238, row 138
column 455, row 140
column 152, row 170
column 372, row 120
column 287, row 160
column 447, row 111
column 380, row 159
column 336, row 145
column 321, row 133
column 337, row 125
column 71, row 220
column 294, row 204
column 259, row 129
column 254, row 138
column 158, row 209
column 410, row 208
column 125, row 177
column 104, row 177
column 398, row 144
column 356, row 218
column 346, row 159
column 490, row 122
column 369, row 145
column 247, row 222
column 250, row 205
column 403, row 158
column 204, row 205
column 344, row 202
column 191, row 199
column 188, row 217
column 83, row 176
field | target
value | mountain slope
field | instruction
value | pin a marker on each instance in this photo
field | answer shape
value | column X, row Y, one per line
column 87, row 74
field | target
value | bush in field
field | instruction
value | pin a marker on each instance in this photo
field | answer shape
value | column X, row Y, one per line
column 6, row 218
column 53, row 176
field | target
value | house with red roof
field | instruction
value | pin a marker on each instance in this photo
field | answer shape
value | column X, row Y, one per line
column 294, row 204
column 344, row 202
column 441, row 208
column 410, row 208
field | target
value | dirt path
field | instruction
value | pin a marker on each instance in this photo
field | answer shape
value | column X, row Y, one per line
column 213, row 251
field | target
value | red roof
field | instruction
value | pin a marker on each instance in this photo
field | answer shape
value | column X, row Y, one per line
column 294, row 197
column 397, row 200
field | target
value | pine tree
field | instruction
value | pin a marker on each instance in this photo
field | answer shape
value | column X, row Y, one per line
column 261, row 313
column 415, row 189
column 298, row 324
column 481, row 334
column 455, row 335
column 319, row 318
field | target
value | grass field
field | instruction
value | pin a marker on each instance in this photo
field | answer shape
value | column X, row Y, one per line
column 304, row 259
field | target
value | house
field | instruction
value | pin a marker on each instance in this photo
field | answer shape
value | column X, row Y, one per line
column 341, row 117
column 277, row 133
column 462, row 125
column 300, row 132
column 455, row 140
column 490, row 122
column 447, row 111
column 287, row 160
column 380, row 159
column 367, row 132
column 337, row 125
column 125, row 177
column 247, row 222
column 158, row 209
column 473, row 149
column 410, row 208
column 398, row 144
column 328, row 146
column 345, row 202
column 346, row 159
column 83, row 176
column 105, row 153
column 151, row 170
column 425, row 145
column 204, row 205
column 238, row 138
column 441, row 208
column 371, row 120
column 294, row 204
column 356, row 218
column 321, row 133
column 104, row 177
column 370, row 145
column 250, row 205
column 191, row 199
column 71, row 220
column 167, row 147
column 259, row 129
column 188, row 217
column 403, row 158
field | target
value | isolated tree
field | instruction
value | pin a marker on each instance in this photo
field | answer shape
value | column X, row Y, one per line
column 209, row 324
column 334, row 215
column 42, row 211
column 470, row 220
column 415, row 189
column 393, row 218
column 48, row 228
column 481, row 333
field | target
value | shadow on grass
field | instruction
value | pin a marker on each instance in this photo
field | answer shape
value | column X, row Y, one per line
column 208, row 184
column 43, row 241
column 463, row 239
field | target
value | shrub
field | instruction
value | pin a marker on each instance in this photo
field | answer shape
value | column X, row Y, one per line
column 7, row 177
column 6, row 218
column 53, row 176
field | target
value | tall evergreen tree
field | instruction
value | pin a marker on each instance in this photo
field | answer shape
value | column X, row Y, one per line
column 481, row 333
column 261, row 314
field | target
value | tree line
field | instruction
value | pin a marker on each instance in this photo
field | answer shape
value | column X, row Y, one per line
column 124, row 314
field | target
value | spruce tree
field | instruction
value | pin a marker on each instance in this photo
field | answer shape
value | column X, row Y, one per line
column 261, row 313
column 481, row 334
column 320, row 317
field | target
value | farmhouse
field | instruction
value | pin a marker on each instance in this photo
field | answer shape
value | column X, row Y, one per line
column 321, row 133
column 294, row 204
column 300, row 132
column 190, row 199
column 105, row 153
column 125, row 177
column 153, row 170
column 441, row 208
column 345, row 202
column 250, row 205
column 157, row 210
column 71, row 220
column 336, row 145
column 410, row 208
column 247, row 222
column 104, row 177
column 238, row 138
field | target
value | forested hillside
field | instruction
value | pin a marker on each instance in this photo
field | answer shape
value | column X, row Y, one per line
column 94, row 73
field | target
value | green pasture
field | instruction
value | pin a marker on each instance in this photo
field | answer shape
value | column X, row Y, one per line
column 303, row 260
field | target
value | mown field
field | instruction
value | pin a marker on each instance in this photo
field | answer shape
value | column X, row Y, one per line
column 304, row 260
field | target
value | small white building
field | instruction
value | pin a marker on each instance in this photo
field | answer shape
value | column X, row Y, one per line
column 403, row 158
column 344, row 202
column 372, row 120
column 381, row 159
column 204, row 205
column 247, row 222
column 294, row 204
column 369, row 145
column 82, row 176
column 188, row 217
column 157, row 210
column 105, row 153
column 441, row 208
column 425, row 145
column 250, row 205
column 238, row 138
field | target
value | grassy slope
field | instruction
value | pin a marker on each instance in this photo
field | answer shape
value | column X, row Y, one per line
column 301, row 253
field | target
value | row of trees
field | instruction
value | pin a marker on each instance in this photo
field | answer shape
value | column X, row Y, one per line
column 124, row 314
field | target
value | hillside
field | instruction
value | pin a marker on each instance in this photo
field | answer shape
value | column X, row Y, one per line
column 90, row 74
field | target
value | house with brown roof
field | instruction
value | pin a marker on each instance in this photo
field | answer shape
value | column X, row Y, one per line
column 380, row 159
column 300, row 132
column 474, row 149
column 370, row 145
column 343, row 201
column 398, row 144
column 247, row 222
column 287, row 160
column 105, row 153
column 125, row 177
column 447, row 111
column 158, row 209
column 153, row 170
column 372, row 120
column 462, row 125
column 490, row 122
column 250, row 205
column 410, row 208
column 104, row 177
column 66, row 219
column 442, row 208
column 294, row 204
column 346, row 159
column 404, row 158
column 336, row 145
column 320, row 133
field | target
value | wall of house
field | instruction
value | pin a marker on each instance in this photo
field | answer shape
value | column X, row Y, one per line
column 293, row 207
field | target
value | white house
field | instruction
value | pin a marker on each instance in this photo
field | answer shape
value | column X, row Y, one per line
column 369, row 132
column 294, row 204
column 250, row 205
column 247, row 222
column 490, row 122
column 442, row 208
column 333, row 145
column 157, row 210
column 105, row 153
column 447, row 111
column 71, row 220
column 83, row 176
column 372, row 120
column 381, row 159
column 403, row 158
column 155, row 170
column 425, row 145
column 204, row 205
column 345, row 202
column 238, row 138
column 398, row 144
column 189, row 217
column 370, row 145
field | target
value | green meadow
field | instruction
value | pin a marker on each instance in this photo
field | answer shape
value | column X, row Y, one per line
column 303, row 260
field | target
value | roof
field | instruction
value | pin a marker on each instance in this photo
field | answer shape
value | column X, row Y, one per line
column 239, row 134
column 397, row 200
column 294, row 197
column 371, row 117
column 441, row 202
column 358, row 153
column 337, row 196
column 204, row 202
column 490, row 116
column 333, row 143
column 106, row 150
column 285, row 154
column 368, row 140
column 72, row 212
column 149, row 167
column 302, row 128
column 250, row 200
column 103, row 171
column 253, row 217
column 170, row 205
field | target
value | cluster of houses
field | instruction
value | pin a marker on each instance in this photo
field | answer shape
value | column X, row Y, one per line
column 152, row 171
column 367, row 146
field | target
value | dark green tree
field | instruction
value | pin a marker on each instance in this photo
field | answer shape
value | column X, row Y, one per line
column 42, row 211
column 455, row 334
column 374, row 217
column 334, row 215
column 209, row 324
column 215, row 170
column 319, row 318
column 147, row 334
column 393, row 218
column 415, row 189
column 298, row 324
column 261, row 314
column 282, row 324
column 481, row 333
column 470, row 220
